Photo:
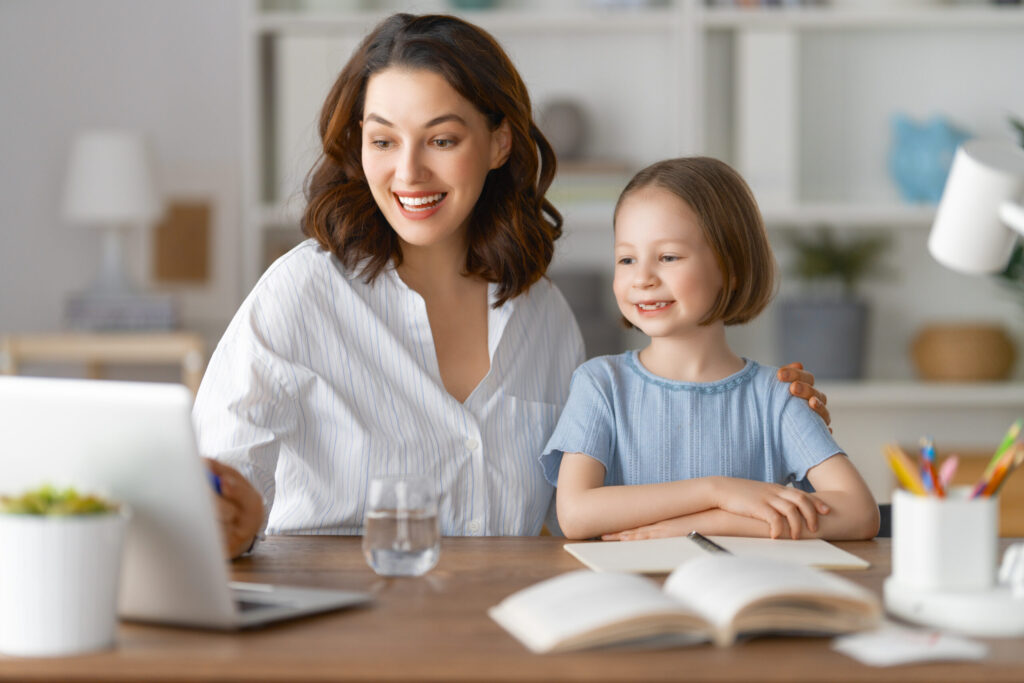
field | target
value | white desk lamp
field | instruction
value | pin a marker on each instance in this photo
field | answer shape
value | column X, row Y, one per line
column 972, row 234
column 110, row 187
column 979, row 205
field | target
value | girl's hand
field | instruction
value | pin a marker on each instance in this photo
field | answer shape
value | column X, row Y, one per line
column 680, row 526
column 239, row 509
column 776, row 505
column 802, row 386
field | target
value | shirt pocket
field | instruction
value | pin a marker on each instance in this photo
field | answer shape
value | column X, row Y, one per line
column 517, row 482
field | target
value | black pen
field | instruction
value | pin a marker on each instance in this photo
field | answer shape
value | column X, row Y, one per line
column 706, row 543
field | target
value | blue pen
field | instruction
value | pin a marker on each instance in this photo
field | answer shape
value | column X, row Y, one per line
column 214, row 481
column 928, row 463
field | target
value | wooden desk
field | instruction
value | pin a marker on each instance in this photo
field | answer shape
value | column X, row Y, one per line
column 436, row 628
column 97, row 349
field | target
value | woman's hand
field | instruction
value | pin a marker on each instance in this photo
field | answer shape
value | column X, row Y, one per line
column 781, row 507
column 802, row 385
column 239, row 509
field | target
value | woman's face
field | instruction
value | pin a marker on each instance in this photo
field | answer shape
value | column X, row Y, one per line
column 426, row 152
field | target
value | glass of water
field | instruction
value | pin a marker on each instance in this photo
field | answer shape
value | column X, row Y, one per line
column 401, row 536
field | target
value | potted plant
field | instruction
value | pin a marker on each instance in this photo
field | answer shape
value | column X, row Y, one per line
column 1012, row 277
column 826, row 329
column 60, row 561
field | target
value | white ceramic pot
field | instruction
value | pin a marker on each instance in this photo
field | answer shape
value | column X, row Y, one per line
column 58, row 583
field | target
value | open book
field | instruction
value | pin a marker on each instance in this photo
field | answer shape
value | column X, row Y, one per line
column 712, row 598
column 662, row 555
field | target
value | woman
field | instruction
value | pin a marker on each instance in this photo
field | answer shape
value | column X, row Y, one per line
column 414, row 331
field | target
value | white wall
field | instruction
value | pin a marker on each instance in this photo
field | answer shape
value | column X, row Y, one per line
column 170, row 68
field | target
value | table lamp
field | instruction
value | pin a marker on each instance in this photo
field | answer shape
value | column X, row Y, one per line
column 979, row 206
column 110, row 187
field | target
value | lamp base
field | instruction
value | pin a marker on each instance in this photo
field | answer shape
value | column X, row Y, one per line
column 993, row 613
column 99, row 311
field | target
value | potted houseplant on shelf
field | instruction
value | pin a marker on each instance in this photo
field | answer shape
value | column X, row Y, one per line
column 1012, row 277
column 826, row 327
column 60, row 561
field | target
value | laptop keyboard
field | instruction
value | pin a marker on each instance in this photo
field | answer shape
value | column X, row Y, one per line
column 248, row 605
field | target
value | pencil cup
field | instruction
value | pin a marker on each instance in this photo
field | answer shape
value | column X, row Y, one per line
column 944, row 544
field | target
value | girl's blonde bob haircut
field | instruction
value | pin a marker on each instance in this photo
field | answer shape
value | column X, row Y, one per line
column 732, row 226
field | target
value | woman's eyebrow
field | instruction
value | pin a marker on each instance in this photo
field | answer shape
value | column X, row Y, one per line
column 444, row 118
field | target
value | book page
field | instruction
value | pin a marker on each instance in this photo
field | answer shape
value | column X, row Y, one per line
column 584, row 609
column 721, row 586
column 662, row 555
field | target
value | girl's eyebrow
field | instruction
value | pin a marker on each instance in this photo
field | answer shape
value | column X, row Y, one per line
column 444, row 118
column 667, row 240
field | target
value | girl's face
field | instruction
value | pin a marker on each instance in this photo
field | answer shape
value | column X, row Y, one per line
column 666, row 275
column 426, row 151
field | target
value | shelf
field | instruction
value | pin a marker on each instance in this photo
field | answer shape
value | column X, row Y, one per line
column 883, row 394
column 832, row 18
column 597, row 213
column 854, row 215
column 496, row 21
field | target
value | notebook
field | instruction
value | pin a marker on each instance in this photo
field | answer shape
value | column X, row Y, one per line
column 662, row 555
column 134, row 443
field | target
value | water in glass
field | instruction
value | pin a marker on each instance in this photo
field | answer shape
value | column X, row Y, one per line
column 401, row 536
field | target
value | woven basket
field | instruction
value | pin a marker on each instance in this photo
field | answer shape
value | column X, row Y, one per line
column 963, row 353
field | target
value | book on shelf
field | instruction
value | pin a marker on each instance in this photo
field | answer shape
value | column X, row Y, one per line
column 715, row 598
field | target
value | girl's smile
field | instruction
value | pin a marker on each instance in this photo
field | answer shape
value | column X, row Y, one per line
column 651, row 308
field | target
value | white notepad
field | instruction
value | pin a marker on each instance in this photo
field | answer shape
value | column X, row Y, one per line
column 660, row 555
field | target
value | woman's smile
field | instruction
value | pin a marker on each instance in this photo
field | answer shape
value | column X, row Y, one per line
column 419, row 205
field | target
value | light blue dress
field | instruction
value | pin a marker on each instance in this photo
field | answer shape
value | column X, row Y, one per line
column 646, row 429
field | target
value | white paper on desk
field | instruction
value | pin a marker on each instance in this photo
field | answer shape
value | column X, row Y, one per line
column 659, row 555
column 893, row 644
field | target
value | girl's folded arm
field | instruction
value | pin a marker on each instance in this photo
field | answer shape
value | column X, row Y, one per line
column 587, row 508
column 853, row 511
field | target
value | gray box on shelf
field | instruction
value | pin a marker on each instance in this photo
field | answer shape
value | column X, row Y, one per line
column 100, row 311
column 827, row 335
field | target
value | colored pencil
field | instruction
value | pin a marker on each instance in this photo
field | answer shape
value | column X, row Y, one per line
column 948, row 469
column 1010, row 461
column 903, row 467
column 931, row 478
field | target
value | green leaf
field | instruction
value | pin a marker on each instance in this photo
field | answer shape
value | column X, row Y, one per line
column 48, row 501
column 820, row 255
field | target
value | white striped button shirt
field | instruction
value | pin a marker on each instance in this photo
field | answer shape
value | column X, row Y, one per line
column 322, row 382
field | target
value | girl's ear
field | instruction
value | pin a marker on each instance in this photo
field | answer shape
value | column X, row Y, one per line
column 501, row 144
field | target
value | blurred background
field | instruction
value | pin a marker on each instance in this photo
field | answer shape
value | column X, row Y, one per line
column 842, row 115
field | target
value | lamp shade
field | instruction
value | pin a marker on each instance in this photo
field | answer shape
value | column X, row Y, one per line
column 980, row 203
column 110, row 180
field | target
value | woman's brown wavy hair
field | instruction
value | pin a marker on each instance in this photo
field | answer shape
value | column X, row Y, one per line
column 732, row 225
column 512, row 228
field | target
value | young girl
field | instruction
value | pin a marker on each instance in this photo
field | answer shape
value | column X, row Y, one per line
column 686, row 435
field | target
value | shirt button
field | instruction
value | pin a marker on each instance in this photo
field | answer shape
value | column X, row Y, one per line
column 474, row 526
column 471, row 444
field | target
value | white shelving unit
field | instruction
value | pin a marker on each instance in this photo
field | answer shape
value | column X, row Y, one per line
column 800, row 95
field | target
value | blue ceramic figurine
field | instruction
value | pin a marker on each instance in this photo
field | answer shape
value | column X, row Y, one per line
column 920, row 156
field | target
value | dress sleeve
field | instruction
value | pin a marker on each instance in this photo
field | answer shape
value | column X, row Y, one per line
column 806, row 441
column 587, row 425
column 243, row 408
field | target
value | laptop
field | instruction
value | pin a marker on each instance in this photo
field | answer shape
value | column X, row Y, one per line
column 134, row 443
